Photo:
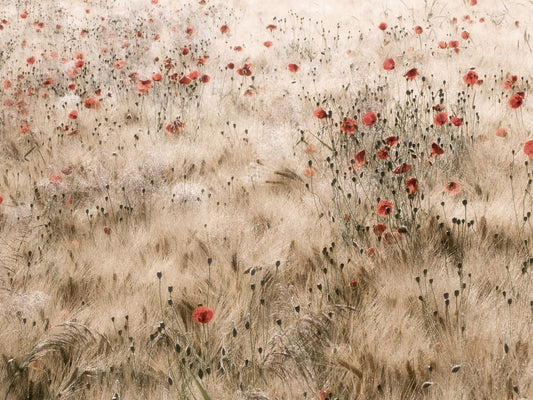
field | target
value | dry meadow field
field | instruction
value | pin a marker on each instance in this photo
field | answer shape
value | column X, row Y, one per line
column 262, row 200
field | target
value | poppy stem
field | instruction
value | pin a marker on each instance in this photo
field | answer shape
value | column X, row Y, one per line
column 322, row 142
column 514, row 204
column 110, row 203
column 160, row 300
column 208, row 281
column 509, row 302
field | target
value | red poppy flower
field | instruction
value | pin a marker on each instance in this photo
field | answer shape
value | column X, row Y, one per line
column 310, row 149
column 156, row 77
column 237, row 48
column 175, row 127
column 245, row 70
column 528, row 148
column 471, row 78
column 436, row 150
column 456, row 121
column 371, row 252
column 369, row 118
column 92, row 103
column 402, row 168
column 73, row 114
column 119, row 64
column 231, row 66
column 383, row 153
column 272, row 27
column 320, row 113
column 348, row 125
column 324, row 394
column 268, row 43
column 453, row 44
column 452, row 188
column 388, row 64
column 354, row 284
column 401, row 230
column 473, row 2
column 107, row 230
column 502, row 132
column 67, row 170
column 24, row 129
column 411, row 74
column 390, row 238
column 194, row 74
column 185, row 80
column 443, row 44
column 293, row 67
column 185, row 51
column 379, row 229
column 167, row 62
column 7, row 84
column 508, row 84
column 224, row 29
column 204, row 78
column 309, row 172
column 516, row 100
column 412, row 185
column 144, row 86
column 384, row 208
column 440, row 119
column 418, row 29
column 47, row 82
column 439, row 107
column 465, row 35
column 30, row 60
column 55, row 180
column 189, row 30
column 360, row 157
column 392, row 140
column 24, row 15
column 382, row 26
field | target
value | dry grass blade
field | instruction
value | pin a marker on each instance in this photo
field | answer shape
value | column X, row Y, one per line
column 50, row 359
column 71, row 336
